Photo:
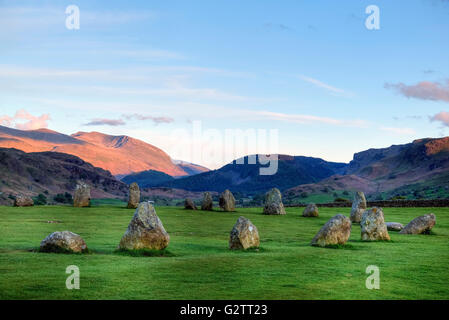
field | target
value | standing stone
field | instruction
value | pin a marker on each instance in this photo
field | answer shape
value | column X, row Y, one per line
column 419, row 225
column 63, row 241
column 207, row 204
column 23, row 201
column 82, row 195
column 145, row 231
column 358, row 207
column 273, row 202
column 373, row 225
column 189, row 204
column 244, row 235
column 227, row 201
column 134, row 196
column 310, row 211
column 336, row 231
column 394, row 226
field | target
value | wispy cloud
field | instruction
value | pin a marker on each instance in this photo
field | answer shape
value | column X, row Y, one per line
column 323, row 85
column 105, row 122
column 398, row 131
column 166, row 81
column 408, row 118
column 32, row 18
column 442, row 117
column 31, row 122
column 156, row 120
column 424, row 90
column 279, row 26
column 308, row 119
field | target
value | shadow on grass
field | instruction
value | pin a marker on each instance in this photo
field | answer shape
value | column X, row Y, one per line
column 341, row 247
column 144, row 253
column 372, row 241
column 60, row 251
column 249, row 250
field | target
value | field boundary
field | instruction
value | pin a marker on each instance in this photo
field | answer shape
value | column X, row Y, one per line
column 385, row 203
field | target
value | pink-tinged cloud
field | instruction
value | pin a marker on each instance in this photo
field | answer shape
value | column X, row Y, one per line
column 105, row 122
column 424, row 90
column 156, row 120
column 442, row 117
column 31, row 122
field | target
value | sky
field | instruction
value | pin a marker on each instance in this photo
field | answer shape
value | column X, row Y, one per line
column 192, row 77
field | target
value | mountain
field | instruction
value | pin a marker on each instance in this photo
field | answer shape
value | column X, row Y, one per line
column 53, row 173
column 147, row 179
column 245, row 178
column 190, row 168
column 396, row 166
column 121, row 155
column 414, row 170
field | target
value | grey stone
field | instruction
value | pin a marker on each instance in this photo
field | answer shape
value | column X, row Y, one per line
column 145, row 231
column 273, row 203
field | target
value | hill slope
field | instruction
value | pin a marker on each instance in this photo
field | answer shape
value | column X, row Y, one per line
column 121, row 155
column 245, row 177
column 147, row 179
column 53, row 173
column 414, row 170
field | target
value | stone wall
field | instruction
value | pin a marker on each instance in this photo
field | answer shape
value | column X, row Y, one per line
column 386, row 203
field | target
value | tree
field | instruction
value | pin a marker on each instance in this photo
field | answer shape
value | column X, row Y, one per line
column 40, row 200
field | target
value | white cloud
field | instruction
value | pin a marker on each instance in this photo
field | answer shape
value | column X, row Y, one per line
column 167, row 81
column 442, row 117
column 424, row 90
column 309, row 119
column 399, row 131
column 323, row 85
column 28, row 18
column 23, row 120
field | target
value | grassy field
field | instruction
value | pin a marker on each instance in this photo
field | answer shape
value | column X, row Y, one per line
column 200, row 266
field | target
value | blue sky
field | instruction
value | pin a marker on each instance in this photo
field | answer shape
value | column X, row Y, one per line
column 151, row 69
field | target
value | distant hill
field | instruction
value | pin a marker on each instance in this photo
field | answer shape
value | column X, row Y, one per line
column 245, row 178
column 52, row 173
column 147, row 179
column 414, row 170
column 121, row 155
column 190, row 168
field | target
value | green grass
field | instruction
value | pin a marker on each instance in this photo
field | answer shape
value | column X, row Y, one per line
column 198, row 264
column 108, row 202
column 319, row 197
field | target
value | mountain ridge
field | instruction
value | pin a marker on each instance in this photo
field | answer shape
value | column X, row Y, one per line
column 53, row 173
column 121, row 155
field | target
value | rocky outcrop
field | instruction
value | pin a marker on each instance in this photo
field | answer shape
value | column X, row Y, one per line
column 394, row 226
column 208, row 203
column 145, row 231
column 82, row 195
column 244, row 235
column 63, row 242
column 310, row 211
column 134, row 196
column 227, row 201
column 273, row 202
column 373, row 225
column 336, row 231
column 23, row 201
column 420, row 225
column 189, row 204
column 358, row 207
